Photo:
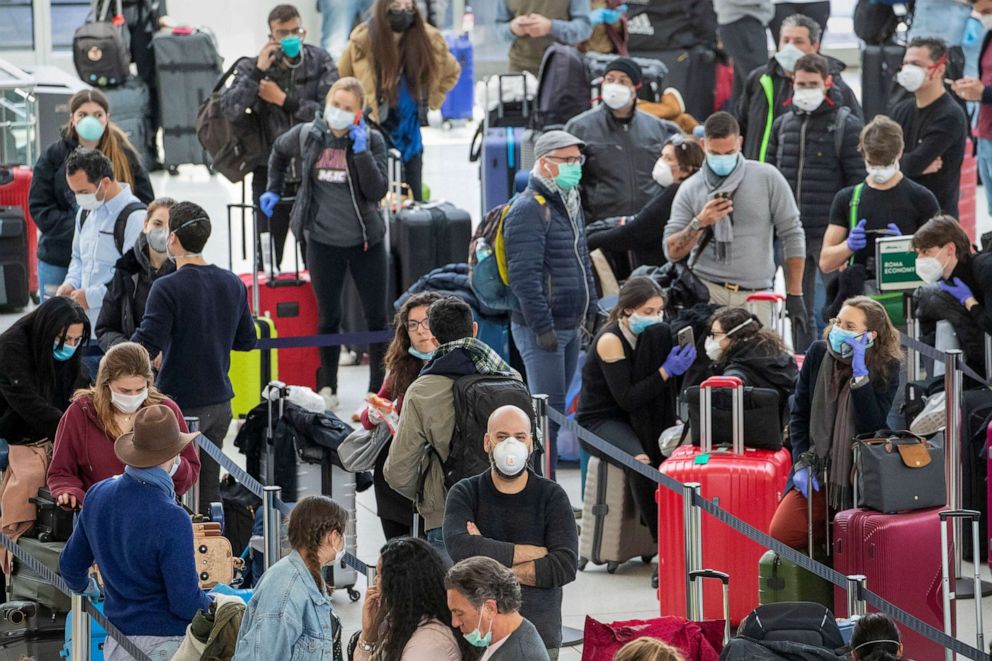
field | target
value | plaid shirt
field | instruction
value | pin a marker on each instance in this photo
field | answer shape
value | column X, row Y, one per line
column 485, row 359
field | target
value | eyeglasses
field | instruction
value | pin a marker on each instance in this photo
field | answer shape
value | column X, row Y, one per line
column 282, row 34
column 847, row 326
column 717, row 335
column 412, row 325
column 571, row 160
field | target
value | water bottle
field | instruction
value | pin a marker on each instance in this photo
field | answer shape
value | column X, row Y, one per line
column 482, row 251
column 468, row 21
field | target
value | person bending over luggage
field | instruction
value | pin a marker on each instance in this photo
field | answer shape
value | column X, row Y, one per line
column 641, row 233
column 284, row 86
column 52, row 204
column 647, row 649
column 290, row 614
column 484, row 598
column 336, row 213
column 141, row 540
column 524, row 521
column 845, row 388
column 631, row 371
column 124, row 304
column 42, row 367
column 409, row 351
column 405, row 616
column 876, row 638
column 407, row 61
column 194, row 318
column 532, row 27
column 84, row 441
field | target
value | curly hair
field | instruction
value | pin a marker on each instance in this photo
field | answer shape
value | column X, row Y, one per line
column 402, row 367
column 309, row 522
column 412, row 588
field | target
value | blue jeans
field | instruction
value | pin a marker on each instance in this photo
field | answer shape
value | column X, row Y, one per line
column 337, row 18
column 985, row 167
column 435, row 537
column 548, row 372
column 49, row 278
column 945, row 19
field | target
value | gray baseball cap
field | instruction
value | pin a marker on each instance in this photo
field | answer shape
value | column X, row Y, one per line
column 552, row 140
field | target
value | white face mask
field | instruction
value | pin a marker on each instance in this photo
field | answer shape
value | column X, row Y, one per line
column 880, row 174
column 788, row 56
column 616, row 96
column 510, row 457
column 986, row 20
column 337, row 118
column 175, row 467
column 930, row 269
column 713, row 349
column 662, row 173
column 89, row 201
column 911, row 77
column 128, row 403
column 809, row 99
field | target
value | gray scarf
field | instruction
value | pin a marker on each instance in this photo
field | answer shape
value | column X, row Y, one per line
column 723, row 231
column 831, row 428
column 571, row 198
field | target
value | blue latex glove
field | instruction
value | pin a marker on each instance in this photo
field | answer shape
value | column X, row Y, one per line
column 801, row 479
column 957, row 289
column 894, row 229
column 606, row 16
column 268, row 202
column 858, row 347
column 359, row 137
column 679, row 360
column 92, row 589
column 857, row 239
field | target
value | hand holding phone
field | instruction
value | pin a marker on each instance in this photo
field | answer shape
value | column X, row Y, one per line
column 687, row 337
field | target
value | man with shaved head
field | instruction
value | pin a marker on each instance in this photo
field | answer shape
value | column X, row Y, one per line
column 518, row 518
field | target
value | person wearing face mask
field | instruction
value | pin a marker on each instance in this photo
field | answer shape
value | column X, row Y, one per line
column 933, row 123
column 284, row 86
column 531, row 26
column 408, row 353
column 641, row 233
column 290, row 615
column 50, row 201
column 484, row 598
column 768, row 90
column 815, row 146
column 336, row 215
column 84, row 442
column 407, row 63
column 124, row 303
column 979, row 90
column 845, row 388
column 518, row 518
column 623, row 144
column 150, row 576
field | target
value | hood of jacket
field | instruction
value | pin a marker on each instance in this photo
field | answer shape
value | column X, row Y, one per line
column 454, row 364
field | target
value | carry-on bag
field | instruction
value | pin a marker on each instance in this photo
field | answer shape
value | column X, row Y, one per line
column 695, row 641
column 425, row 236
column 460, row 101
column 498, row 151
column 15, row 189
column 747, row 482
column 100, row 50
column 53, row 524
column 879, row 66
column 795, row 621
column 692, row 71
column 235, row 147
column 612, row 530
column 98, row 636
column 29, row 630
column 563, row 87
column 14, row 277
column 25, row 585
column 763, row 424
column 899, row 471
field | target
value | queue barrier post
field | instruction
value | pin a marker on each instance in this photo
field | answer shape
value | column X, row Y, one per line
column 540, row 403
column 191, row 499
column 271, row 524
column 856, row 603
column 952, row 445
column 80, row 631
column 693, row 542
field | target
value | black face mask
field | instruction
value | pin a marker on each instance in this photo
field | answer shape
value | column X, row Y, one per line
column 400, row 20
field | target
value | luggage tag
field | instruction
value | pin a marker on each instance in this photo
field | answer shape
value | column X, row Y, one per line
column 701, row 459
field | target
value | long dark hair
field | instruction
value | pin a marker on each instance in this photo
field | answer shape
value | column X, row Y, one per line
column 637, row 291
column 412, row 589
column 46, row 325
column 402, row 367
column 753, row 334
column 413, row 54
column 309, row 522
column 875, row 638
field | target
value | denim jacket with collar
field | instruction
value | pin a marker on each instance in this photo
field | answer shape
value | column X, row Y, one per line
column 287, row 618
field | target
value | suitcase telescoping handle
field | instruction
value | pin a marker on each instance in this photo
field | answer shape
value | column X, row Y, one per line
column 946, row 518
column 737, row 411
column 777, row 303
column 705, row 574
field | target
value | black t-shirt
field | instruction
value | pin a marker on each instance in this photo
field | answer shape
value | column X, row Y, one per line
column 938, row 130
column 907, row 204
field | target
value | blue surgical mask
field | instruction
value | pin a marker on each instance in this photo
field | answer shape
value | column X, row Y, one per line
column 90, row 128
column 837, row 338
column 63, row 354
column 569, row 175
column 721, row 164
column 291, row 45
column 639, row 324
column 475, row 637
column 422, row 355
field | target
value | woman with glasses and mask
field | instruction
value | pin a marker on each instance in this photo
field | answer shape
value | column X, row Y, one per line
column 641, row 234
column 406, row 68
column 409, row 351
column 845, row 388
column 84, row 443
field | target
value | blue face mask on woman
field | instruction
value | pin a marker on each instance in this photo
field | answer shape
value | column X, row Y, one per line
column 422, row 355
column 638, row 323
column 63, row 354
column 837, row 339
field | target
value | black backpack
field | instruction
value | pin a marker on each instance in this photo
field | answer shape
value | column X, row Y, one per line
column 476, row 397
column 100, row 50
column 803, row 622
column 120, row 225
column 563, row 88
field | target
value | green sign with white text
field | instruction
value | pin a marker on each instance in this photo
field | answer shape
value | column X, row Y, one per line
column 895, row 264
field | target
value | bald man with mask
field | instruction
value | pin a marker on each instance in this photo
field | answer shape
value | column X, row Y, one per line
column 518, row 518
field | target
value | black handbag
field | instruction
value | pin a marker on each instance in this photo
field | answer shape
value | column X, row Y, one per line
column 763, row 424
column 898, row 471
column 682, row 288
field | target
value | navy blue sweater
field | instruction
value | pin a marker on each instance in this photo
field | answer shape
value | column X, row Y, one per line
column 143, row 543
column 195, row 317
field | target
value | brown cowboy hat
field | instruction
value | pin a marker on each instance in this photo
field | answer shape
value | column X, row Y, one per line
column 154, row 439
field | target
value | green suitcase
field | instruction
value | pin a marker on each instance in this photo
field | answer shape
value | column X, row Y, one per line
column 780, row 580
column 25, row 585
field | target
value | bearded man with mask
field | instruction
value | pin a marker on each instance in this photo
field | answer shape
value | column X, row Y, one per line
column 519, row 519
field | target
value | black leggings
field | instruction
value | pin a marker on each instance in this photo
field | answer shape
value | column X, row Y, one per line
column 329, row 265
column 413, row 176
column 622, row 435
column 278, row 224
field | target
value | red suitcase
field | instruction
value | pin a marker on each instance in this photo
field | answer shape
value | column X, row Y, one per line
column 900, row 555
column 15, row 194
column 748, row 483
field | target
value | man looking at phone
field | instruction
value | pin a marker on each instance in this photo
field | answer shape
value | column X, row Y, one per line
column 724, row 219
column 284, row 86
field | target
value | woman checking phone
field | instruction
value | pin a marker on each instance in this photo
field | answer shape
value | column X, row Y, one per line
column 336, row 216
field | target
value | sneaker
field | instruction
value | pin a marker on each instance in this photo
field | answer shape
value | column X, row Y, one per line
column 331, row 400
column 357, row 415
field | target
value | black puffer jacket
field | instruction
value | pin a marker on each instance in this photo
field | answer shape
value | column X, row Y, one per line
column 803, row 146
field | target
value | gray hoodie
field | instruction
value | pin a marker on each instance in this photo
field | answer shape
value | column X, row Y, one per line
column 728, row 11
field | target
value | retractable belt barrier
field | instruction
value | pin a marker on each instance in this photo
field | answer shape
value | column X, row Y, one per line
column 938, row 355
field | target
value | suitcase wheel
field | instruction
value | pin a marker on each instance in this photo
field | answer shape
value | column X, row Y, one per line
column 354, row 594
column 582, row 563
column 612, row 567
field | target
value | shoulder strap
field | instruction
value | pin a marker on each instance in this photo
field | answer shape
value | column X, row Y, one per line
column 120, row 225
column 839, row 123
column 853, row 211
column 768, row 85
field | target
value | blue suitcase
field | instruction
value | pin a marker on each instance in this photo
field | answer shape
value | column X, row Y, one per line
column 98, row 638
column 461, row 99
column 500, row 160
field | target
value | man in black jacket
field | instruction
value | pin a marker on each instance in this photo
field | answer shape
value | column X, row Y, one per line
column 768, row 88
column 815, row 146
column 284, row 86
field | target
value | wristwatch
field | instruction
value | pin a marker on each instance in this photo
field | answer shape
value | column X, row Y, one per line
column 695, row 225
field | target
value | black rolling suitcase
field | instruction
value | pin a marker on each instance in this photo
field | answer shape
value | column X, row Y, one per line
column 53, row 524
column 14, row 274
column 426, row 236
column 130, row 108
column 879, row 66
column 28, row 630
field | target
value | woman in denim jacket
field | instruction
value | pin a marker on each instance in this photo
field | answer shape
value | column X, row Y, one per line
column 290, row 616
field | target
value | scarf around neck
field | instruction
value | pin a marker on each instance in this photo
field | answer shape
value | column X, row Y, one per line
column 831, row 427
column 155, row 477
column 723, row 230
column 571, row 198
column 486, row 360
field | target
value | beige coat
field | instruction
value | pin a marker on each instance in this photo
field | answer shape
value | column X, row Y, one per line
column 431, row 641
column 357, row 60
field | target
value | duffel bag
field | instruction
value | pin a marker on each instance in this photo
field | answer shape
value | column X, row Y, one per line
column 898, row 471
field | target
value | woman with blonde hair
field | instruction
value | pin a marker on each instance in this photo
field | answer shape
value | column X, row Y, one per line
column 84, row 442
column 52, row 203
column 647, row 649
column 336, row 215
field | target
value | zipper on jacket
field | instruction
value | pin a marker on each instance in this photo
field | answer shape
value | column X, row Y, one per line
column 354, row 204
column 802, row 162
column 578, row 259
